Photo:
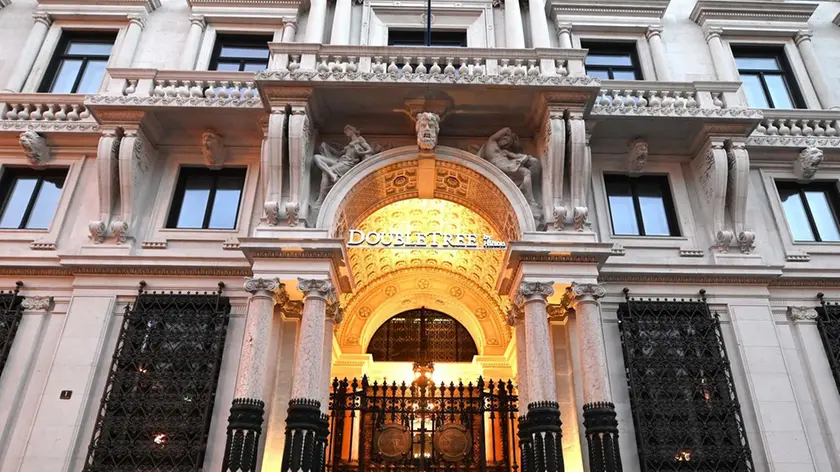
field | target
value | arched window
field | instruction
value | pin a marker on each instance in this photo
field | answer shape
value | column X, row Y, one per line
column 398, row 339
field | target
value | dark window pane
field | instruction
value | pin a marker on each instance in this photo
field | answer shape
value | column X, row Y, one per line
column 824, row 218
column 226, row 204
column 66, row 76
column 608, row 60
column 227, row 66
column 797, row 218
column 624, row 75
column 45, row 204
column 754, row 91
column 90, row 49
column 652, row 205
column 92, row 77
column 622, row 210
column 254, row 67
column 778, row 91
column 194, row 204
column 601, row 74
column 758, row 63
column 244, row 52
column 17, row 201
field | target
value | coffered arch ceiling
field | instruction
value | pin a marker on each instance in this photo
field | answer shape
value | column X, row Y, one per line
column 460, row 283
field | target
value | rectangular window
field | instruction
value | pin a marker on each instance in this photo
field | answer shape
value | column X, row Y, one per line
column 682, row 397
column 453, row 39
column 207, row 199
column 240, row 53
column 811, row 210
column 612, row 61
column 78, row 65
column 767, row 77
column 30, row 197
column 641, row 206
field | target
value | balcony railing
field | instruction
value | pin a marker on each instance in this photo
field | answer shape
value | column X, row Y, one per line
column 798, row 128
column 45, row 112
column 702, row 99
column 463, row 63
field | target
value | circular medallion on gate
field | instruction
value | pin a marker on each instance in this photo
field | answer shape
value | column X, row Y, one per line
column 393, row 441
column 452, row 442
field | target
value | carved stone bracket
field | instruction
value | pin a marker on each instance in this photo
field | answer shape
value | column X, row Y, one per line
column 136, row 157
column 552, row 148
column 301, row 143
column 802, row 313
column 213, row 149
column 710, row 169
column 108, row 181
column 807, row 163
column 271, row 163
column 637, row 154
column 580, row 174
column 38, row 303
column 35, row 147
column 738, row 181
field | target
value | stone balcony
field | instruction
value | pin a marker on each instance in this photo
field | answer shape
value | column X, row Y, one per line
column 798, row 129
column 44, row 112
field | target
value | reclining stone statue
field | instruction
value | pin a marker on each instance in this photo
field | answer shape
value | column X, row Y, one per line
column 335, row 164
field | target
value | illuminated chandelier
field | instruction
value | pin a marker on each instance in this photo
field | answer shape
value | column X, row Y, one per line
column 423, row 367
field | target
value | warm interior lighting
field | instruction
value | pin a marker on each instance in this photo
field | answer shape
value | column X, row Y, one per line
column 160, row 439
column 683, row 455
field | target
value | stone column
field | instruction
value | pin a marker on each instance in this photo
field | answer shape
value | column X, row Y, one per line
column 306, row 428
column 539, row 24
column 30, row 51
column 514, row 33
column 131, row 39
column 657, row 50
column 315, row 23
column 341, row 22
column 719, row 56
column 246, row 412
column 564, row 34
column 334, row 316
column 289, row 31
column 825, row 93
column 540, row 432
column 191, row 46
column 599, row 417
column 517, row 319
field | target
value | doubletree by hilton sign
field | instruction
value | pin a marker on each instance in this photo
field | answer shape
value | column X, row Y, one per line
column 418, row 240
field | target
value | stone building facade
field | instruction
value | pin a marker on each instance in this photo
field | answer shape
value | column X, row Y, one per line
column 626, row 210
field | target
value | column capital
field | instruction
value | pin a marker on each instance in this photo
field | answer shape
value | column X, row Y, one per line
column 711, row 32
column 254, row 285
column 803, row 35
column 535, row 291
column 198, row 20
column 290, row 24
column 802, row 313
column 138, row 19
column 563, row 27
column 587, row 292
column 320, row 288
column 653, row 30
column 42, row 17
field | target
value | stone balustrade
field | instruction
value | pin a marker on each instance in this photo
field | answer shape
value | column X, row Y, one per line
column 798, row 128
column 152, row 87
column 45, row 112
column 456, row 62
column 703, row 99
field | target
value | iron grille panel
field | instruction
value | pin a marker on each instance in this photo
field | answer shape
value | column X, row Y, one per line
column 685, row 408
column 359, row 410
column 828, row 323
column 157, row 406
column 398, row 339
column 10, row 315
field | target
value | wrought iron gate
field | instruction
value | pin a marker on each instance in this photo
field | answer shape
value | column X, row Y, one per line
column 828, row 324
column 400, row 427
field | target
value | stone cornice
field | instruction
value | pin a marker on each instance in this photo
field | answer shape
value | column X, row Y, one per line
column 739, row 11
column 243, row 3
column 613, row 10
column 442, row 79
column 146, row 5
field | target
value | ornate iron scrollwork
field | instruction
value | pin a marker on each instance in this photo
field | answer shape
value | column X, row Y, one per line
column 10, row 314
column 157, row 406
column 399, row 338
column 828, row 324
column 685, row 408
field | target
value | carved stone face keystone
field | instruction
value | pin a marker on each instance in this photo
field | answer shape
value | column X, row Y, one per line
column 427, row 127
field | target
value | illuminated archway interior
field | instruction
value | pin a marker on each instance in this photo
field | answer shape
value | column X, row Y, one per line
column 456, row 282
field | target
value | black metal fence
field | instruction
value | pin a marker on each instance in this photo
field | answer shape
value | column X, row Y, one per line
column 10, row 315
column 400, row 427
column 685, row 408
column 828, row 324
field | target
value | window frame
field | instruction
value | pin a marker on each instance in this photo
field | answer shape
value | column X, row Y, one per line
column 614, row 47
column 59, row 55
column 786, row 71
column 12, row 174
column 829, row 188
column 667, row 200
column 443, row 32
column 184, row 172
column 233, row 40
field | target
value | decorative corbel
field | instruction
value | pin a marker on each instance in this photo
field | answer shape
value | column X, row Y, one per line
column 108, row 182
column 136, row 156
column 807, row 163
column 580, row 170
column 271, row 157
column 738, row 182
column 301, row 141
column 710, row 169
column 637, row 153
column 35, row 147
column 213, row 149
column 554, row 162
